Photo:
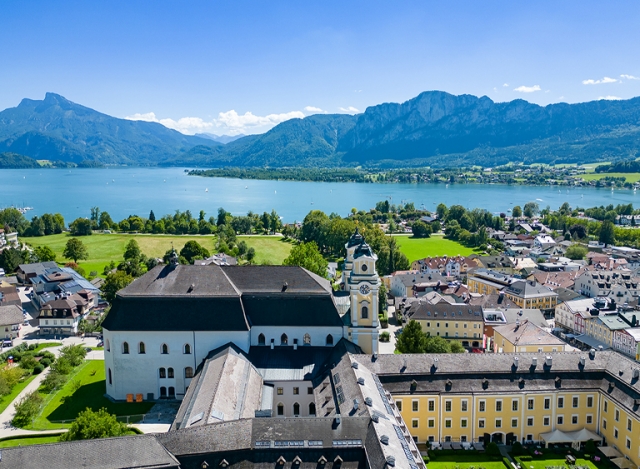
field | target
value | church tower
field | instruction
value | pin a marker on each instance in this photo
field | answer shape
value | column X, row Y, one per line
column 362, row 282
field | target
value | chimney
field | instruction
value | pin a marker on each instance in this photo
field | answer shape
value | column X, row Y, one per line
column 636, row 373
column 548, row 361
column 583, row 360
column 384, row 439
column 356, row 403
column 515, row 362
column 285, row 285
column 534, row 361
column 391, row 461
column 592, row 353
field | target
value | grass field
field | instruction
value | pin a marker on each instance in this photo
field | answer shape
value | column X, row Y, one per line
column 104, row 248
column 437, row 245
column 17, row 389
column 543, row 463
column 35, row 440
column 465, row 461
column 630, row 177
column 66, row 403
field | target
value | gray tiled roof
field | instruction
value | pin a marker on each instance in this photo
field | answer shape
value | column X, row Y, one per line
column 10, row 315
column 445, row 311
column 143, row 452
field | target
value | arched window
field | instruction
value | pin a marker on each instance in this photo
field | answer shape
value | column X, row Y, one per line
column 163, row 373
column 261, row 339
column 329, row 339
column 125, row 347
column 141, row 348
column 107, row 345
column 187, row 349
column 188, row 372
column 296, row 409
column 172, row 391
column 110, row 379
column 164, row 349
column 312, row 409
column 163, row 391
column 280, row 409
column 307, row 339
column 284, row 340
column 170, row 372
column 365, row 312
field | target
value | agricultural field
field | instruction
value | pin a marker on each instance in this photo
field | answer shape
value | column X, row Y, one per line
column 630, row 177
column 104, row 248
column 436, row 245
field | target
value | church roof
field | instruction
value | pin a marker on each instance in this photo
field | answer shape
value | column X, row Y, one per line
column 214, row 298
column 355, row 239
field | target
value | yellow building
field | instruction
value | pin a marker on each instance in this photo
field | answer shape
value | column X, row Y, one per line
column 461, row 322
column 529, row 294
column 487, row 282
column 525, row 336
column 516, row 397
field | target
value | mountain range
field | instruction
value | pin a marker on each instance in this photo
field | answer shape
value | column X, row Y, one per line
column 435, row 128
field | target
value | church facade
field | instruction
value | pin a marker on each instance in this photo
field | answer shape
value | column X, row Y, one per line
column 162, row 326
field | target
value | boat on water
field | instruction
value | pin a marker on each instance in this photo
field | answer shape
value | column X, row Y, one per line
column 207, row 189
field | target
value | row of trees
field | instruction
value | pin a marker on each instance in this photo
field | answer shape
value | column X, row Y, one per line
column 413, row 340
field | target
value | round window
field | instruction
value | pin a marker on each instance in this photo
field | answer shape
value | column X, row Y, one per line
column 364, row 268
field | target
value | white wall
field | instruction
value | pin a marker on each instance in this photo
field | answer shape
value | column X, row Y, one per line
column 318, row 334
column 287, row 398
column 136, row 373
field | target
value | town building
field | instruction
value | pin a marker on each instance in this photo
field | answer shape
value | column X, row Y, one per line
column 454, row 266
column 26, row 272
column 618, row 285
column 525, row 336
column 11, row 318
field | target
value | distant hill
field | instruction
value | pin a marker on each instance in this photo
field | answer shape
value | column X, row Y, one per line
column 58, row 129
column 435, row 128
column 13, row 160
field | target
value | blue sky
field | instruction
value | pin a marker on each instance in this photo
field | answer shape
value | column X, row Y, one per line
column 229, row 67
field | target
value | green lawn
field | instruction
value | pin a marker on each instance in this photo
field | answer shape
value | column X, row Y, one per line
column 630, row 177
column 436, row 245
column 66, row 403
column 543, row 463
column 47, row 345
column 35, row 440
column 104, row 248
column 464, row 460
column 17, row 389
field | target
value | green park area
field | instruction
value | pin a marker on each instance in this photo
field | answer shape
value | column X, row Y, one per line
column 84, row 388
column 436, row 245
column 554, row 460
column 32, row 440
column 104, row 248
column 462, row 460
column 629, row 177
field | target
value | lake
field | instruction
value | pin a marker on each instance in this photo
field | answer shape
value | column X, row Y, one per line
column 127, row 191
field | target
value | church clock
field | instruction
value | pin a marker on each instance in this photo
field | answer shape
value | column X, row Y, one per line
column 364, row 289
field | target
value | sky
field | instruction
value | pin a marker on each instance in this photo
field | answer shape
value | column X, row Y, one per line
column 241, row 67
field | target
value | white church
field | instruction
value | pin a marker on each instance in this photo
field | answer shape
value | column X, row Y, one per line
column 163, row 326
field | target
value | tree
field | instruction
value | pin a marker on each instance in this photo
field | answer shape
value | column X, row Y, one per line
column 80, row 227
column 27, row 409
column 382, row 298
column 114, row 282
column 152, row 216
column 531, row 209
column 308, row 255
column 516, row 212
column 579, row 231
column 105, row 222
column 607, row 233
column 576, row 252
column 75, row 249
column 193, row 250
column 437, row 345
column 456, row 347
column 132, row 250
column 491, row 449
column 11, row 258
column 251, row 255
column 420, row 229
column 412, row 339
column 90, row 425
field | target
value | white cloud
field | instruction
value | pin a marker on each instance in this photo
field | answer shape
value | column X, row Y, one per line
column 349, row 110
column 610, row 98
column 313, row 109
column 495, row 89
column 227, row 123
column 506, row 85
column 527, row 89
column 629, row 77
column 599, row 82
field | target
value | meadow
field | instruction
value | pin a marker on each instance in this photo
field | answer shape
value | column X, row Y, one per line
column 436, row 245
column 104, row 248
column 629, row 177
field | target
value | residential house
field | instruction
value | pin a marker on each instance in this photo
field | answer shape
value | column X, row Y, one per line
column 525, row 336
column 488, row 282
column 628, row 220
column 555, row 280
column 619, row 285
column 62, row 315
column 461, row 322
column 8, row 240
column 627, row 341
column 501, row 317
column 11, row 319
column 413, row 284
column 501, row 263
column 455, row 266
column 542, row 242
column 523, row 265
column 26, row 272
column 62, row 281
column 529, row 294
column 9, row 295
column 572, row 315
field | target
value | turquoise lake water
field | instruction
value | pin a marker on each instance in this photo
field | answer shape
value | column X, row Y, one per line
column 126, row 191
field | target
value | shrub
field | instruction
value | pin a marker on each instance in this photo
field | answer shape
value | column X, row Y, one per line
column 45, row 362
column 73, row 353
column 384, row 323
column 32, row 346
column 492, row 449
column 62, row 366
column 53, row 381
column 27, row 409
column 28, row 362
column 385, row 336
column 516, row 448
column 505, row 460
column 39, row 368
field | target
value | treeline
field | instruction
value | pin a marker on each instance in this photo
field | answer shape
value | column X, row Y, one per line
column 289, row 174
column 627, row 166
